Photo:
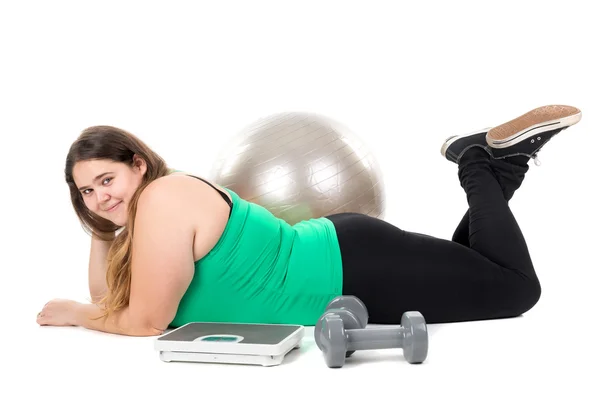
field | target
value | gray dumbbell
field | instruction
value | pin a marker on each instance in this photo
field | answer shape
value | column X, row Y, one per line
column 353, row 304
column 352, row 311
column 335, row 338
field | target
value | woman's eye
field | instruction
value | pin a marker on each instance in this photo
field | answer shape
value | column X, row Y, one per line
column 104, row 182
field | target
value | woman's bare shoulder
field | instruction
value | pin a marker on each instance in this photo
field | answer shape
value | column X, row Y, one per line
column 175, row 189
column 195, row 182
column 202, row 206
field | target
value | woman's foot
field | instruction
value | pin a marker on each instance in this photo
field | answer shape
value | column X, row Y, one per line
column 455, row 146
column 527, row 134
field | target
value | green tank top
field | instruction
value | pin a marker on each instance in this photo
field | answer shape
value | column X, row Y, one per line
column 264, row 270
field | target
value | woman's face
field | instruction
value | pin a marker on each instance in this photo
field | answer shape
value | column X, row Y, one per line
column 107, row 186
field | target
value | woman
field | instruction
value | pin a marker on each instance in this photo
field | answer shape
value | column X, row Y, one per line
column 189, row 250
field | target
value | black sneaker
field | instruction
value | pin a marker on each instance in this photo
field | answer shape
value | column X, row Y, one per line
column 527, row 134
column 455, row 146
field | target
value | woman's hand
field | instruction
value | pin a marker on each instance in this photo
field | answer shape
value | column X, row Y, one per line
column 58, row 312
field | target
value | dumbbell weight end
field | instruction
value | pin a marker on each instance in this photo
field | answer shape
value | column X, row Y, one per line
column 332, row 341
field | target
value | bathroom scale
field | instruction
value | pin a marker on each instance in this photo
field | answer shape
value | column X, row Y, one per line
column 230, row 343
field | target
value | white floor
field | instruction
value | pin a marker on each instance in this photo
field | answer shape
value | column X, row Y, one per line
column 537, row 355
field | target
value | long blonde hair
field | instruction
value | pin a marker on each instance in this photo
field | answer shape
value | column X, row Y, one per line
column 111, row 143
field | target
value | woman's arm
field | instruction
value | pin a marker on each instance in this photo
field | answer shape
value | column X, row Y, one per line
column 162, row 263
column 97, row 268
column 121, row 323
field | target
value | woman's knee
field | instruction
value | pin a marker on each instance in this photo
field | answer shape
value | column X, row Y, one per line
column 534, row 292
column 525, row 295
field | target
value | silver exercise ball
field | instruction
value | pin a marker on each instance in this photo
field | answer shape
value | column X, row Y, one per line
column 301, row 166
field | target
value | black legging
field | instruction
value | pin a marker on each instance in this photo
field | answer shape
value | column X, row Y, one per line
column 484, row 272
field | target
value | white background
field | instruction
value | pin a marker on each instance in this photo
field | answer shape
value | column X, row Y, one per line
column 186, row 76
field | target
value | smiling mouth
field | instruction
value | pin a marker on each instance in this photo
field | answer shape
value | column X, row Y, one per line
column 113, row 207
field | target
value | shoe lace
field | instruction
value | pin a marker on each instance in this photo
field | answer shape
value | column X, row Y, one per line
column 536, row 160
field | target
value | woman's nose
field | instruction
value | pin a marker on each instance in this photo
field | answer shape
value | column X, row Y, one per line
column 102, row 196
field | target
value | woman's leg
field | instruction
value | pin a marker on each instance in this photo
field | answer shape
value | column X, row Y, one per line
column 511, row 145
column 510, row 173
column 393, row 271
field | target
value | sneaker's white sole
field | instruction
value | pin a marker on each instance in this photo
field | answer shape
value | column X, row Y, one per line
column 542, row 119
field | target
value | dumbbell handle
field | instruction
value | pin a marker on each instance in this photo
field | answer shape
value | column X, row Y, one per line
column 378, row 338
